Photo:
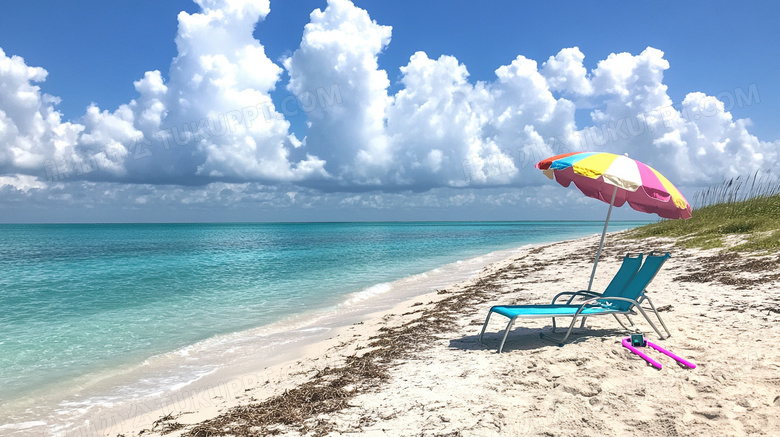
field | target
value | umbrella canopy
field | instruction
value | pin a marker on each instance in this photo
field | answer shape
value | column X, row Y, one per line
column 599, row 174
column 617, row 180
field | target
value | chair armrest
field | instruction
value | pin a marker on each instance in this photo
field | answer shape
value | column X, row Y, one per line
column 573, row 294
column 597, row 299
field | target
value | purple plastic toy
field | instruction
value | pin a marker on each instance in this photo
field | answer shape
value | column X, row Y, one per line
column 656, row 364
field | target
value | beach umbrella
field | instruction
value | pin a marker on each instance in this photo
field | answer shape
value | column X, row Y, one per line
column 617, row 179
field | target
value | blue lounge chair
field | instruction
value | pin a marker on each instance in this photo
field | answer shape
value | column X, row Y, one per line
column 611, row 302
column 631, row 264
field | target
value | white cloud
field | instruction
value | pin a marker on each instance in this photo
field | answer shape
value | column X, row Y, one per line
column 436, row 123
column 21, row 182
column 340, row 47
column 693, row 142
column 219, row 88
column 565, row 72
column 439, row 130
column 31, row 130
column 213, row 120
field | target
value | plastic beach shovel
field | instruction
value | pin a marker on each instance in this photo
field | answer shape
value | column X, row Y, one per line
column 656, row 364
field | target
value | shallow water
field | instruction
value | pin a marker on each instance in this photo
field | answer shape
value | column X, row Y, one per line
column 99, row 315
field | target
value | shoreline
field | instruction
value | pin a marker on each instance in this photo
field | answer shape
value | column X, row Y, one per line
column 111, row 412
column 432, row 377
column 423, row 372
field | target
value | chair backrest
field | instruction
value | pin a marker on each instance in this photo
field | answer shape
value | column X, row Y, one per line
column 636, row 287
column 631, row 263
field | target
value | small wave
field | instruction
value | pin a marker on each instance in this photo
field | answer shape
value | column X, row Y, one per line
column 177, row 383
column 368, row 293
column 314, row 329
column 23, row 425
column 144, row 388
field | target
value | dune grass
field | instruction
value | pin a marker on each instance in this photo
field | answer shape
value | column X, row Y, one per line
column 746, row 207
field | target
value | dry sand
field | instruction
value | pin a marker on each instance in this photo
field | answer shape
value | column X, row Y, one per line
column 419, row 370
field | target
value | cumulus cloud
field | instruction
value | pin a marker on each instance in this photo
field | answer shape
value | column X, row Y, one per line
column 565, row 72
column 31, row 130
column 340, row 47
column 439, row 130
column 443, row 130
column 695, row 141
column 213, row 120
column 20, row 182
column 437, row 122
column 218, row 98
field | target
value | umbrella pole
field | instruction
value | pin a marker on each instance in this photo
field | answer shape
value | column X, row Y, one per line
column 603, row 234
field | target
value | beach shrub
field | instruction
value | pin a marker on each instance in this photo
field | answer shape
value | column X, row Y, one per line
column 747, row 207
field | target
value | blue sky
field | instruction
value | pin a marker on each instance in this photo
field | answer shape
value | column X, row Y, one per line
column 389, row 70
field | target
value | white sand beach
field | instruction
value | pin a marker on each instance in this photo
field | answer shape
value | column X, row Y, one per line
column 420, row 370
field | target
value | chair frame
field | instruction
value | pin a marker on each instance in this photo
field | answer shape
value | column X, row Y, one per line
column 595, row 301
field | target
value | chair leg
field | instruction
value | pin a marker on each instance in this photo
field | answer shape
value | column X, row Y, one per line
column 562, row 340
column 644, row 314
column 568, row 333
column 658, row 316
column 506, row 333
column 621, row 322
column 485, row 326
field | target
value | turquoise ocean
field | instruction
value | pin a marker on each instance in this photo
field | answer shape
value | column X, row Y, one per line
column 100, row 314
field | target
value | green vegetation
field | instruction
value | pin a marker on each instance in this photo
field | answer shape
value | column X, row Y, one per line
column 748, row 207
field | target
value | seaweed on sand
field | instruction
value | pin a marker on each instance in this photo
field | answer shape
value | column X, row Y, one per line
column 306, row 407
